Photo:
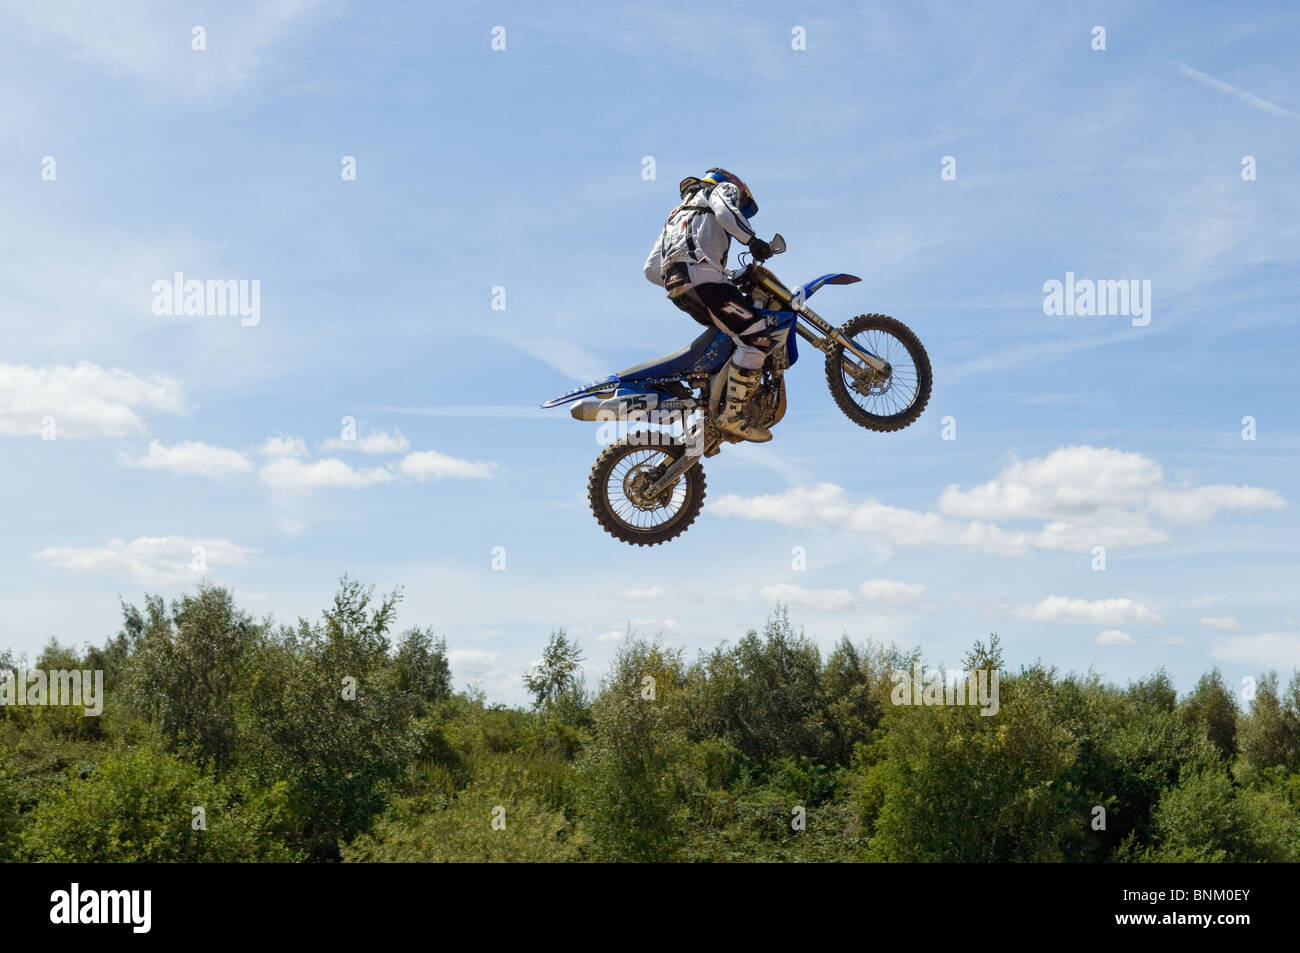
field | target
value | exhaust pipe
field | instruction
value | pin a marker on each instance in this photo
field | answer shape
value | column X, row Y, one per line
column 585, row 409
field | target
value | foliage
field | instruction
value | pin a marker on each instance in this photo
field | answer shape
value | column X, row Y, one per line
column 334, row 740
column 138, row 806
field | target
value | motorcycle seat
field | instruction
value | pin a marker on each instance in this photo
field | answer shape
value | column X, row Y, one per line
column 676, row 362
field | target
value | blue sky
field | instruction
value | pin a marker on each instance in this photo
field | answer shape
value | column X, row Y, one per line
column 522, row 168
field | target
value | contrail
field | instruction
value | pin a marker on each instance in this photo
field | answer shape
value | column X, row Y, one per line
column 485, row 410
column 1241, row 94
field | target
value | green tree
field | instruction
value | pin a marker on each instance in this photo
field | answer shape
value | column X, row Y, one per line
column 763, row 695
column 558, row 674
column 9, row 797
column 1269, row 736
column 1154, row 693
column 421, row 668
column 187, row 668
column 1206, row 818
column 628, row 793
column 1213, row 709
column 946, row 783
column 322, row 714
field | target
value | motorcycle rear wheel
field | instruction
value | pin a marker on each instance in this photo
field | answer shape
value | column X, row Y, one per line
column 625, row 468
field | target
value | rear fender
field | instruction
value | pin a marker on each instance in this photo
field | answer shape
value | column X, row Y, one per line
column 605, row 384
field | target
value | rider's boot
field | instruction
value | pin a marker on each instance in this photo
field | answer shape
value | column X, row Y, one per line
column 741, row 385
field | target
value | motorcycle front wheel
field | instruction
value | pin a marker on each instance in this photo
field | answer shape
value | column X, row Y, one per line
column 618, row 492
column 880, row 402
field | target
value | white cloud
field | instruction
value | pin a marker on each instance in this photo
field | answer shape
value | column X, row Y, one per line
column 288, row 473
column 1080, row 496
column 486, row 670
column 879, row 592
column 377, row 441
column 641, row 595
column 829, row 505
column 1113, row 637
column 824, row 600
column 1267, row 650
column 1101, row 484
column 891, row 592
column 150, row 560
column 1225, row 622
column 85, row 400
column 430, row 464
column 1068, row 481
column 192, row 457
column 1202, row 503
column 282, row 446
column 288, row 466
column 636, row 626
column 1098, row 612
column 471, row 658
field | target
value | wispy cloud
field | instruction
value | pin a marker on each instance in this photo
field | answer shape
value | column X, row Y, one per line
column 572, row 360
column 875, row 592
column 892, row 592
column 826, row 600
column 1267, row 650
column 1225, row 622
column 152, row 41
column 644, row 594
column 467, row 410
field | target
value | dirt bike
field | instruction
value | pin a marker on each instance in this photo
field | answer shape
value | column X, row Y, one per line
column 648, row 486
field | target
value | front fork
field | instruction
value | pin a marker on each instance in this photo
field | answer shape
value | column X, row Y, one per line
column 703, row 445
column 835, row 337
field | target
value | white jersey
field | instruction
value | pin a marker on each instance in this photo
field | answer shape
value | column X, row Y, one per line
column 699, row 232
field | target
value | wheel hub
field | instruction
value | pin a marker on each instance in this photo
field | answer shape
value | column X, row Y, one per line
column 869, row 382
column 637, row 483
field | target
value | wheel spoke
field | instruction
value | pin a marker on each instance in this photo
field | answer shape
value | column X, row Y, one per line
column 902, row 387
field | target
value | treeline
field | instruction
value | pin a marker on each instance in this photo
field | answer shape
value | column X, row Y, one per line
column 228, row 738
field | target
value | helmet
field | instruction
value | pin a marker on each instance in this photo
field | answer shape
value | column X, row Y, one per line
column 748, row 207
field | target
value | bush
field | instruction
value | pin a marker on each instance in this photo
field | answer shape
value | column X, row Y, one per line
column 138, row 806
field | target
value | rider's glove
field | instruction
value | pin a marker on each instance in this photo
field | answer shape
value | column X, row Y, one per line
column 760, row 249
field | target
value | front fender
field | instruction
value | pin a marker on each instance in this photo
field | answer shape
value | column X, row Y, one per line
column 804, row 292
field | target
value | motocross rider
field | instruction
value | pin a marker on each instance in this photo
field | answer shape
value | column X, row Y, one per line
column 689, row 259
